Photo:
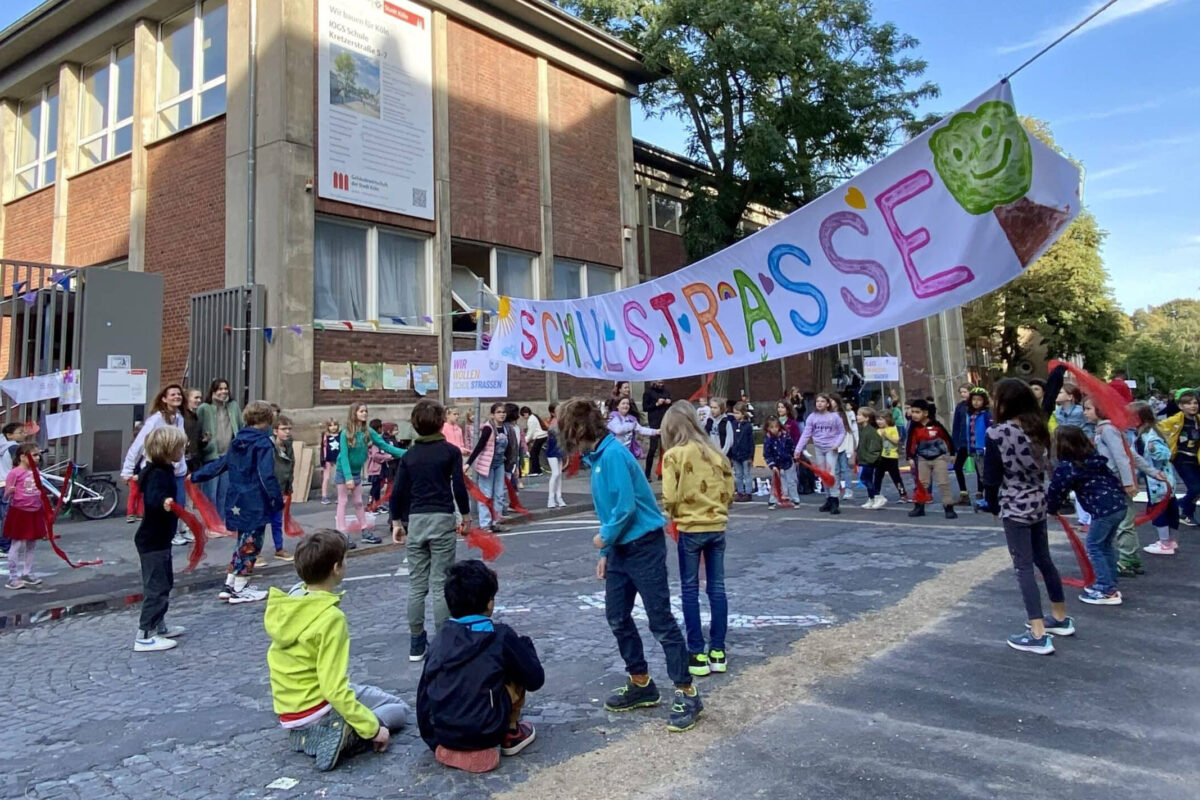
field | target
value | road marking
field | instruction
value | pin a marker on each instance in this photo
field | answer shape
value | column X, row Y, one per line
column 567, row 520
column 366, row 577
column 883, row 523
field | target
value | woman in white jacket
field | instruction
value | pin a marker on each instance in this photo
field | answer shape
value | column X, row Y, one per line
column 535, row 437
column 166, row 407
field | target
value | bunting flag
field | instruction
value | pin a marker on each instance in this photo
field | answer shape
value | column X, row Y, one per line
column 290, row 526
column 316, row 326
column 197, row 529
column 62, row 279
column 514, row 502
column 17, row 287
column 212, row 520
column 30, row 297
column 349, row 325
column 133, row 506
column 487, row 543
column 296, row 329
column 52, row 512
column 1081, row 557
column 483, row 500
column 374, row 323
column 268, row 334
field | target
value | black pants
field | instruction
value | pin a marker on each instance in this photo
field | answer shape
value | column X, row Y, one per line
column 651, row 457
column 1029, row 546
column 535, row 456
column 890, row 467
column 158, row 577
column 640, row 567
column 960, row 461
column 1189, row 472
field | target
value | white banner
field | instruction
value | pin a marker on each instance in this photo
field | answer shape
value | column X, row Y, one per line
column 957, row 212
column 881, row 368
column 375, row 105
column 477, row 373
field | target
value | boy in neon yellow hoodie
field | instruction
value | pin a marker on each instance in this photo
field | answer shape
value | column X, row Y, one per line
column 308, row 659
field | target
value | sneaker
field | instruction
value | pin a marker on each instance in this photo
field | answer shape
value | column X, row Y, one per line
column 298, row 739
column 1029, row 643
column 770, row 506
column 171, row 631
column 325, row 501
column 880, row 502
column 417, row 645
column 283, row 555
column 1160, row 548
column 131, row 519
column 964, row 499
column 350, row 543
column 951, row 513
column 335, row 740
column 188, row 536
column 178, row 541
column 631, row 696
column 31, row 580
column 370, row 538
column 1188, row 521
column 15, row 583
column 1065, row 627
column 516, row 741
column 716, row 660
column 684, row 711
column 1096, row 597
column 247, row 595
column 869, row 504
column 225, row 593
column 153, row 644
column 848, row 495
column 905, row 499
column 698, row 664
column 562, row 503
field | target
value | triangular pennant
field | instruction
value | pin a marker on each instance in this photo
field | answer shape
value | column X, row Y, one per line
column 296, row 329
column 269, row 334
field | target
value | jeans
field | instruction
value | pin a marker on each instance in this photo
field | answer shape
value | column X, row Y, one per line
column 712, row 547
column 1188, row 470
column 742, row 482
column 1102, row 549
column 640, row 567
column 1029, row 545
column 392, row 712
column 4, row 542
column 277, row 528
column 492, row 486
column 843, row 474
column 430, row 549
column 869, row 480
column 158, row 578
column 788, row 484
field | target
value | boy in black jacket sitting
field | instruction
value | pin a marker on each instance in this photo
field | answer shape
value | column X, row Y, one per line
column 470, row 696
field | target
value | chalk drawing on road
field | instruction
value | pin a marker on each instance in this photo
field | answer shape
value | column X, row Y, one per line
column 740, row 621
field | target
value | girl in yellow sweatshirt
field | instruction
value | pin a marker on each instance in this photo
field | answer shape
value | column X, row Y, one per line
column 697, row 490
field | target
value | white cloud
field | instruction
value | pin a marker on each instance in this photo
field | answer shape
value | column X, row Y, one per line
column 1125, row 193
column 1119, row 11
column 1102, row 174
column 1116, row 111
column 1163, row 143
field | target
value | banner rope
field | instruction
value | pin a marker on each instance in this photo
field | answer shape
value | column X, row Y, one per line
column 1057, row 41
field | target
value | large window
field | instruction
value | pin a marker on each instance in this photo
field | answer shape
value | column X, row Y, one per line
column 574, row 279
column 364, row 272
column 37, row 140
column 106, row 107
column 191, row 66
column 664, row 212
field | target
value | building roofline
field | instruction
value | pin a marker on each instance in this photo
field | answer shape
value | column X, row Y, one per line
column 668, row 161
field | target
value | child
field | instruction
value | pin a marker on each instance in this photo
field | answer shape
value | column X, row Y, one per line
column 328, row 716
column 1111, row 443
column 469, row 430
column 473, row 687
column 633, row 561
column 377, row 461
column 979, row 419
column 554, row 457
column 330, row 446
column 826, row 429
column 352, row 455
column 1070, row 407
column 847, row 450
column 1153, row 458
column 1082, row 470
column 720, row 424
column 741, row 453
column 1016, row 460
column 454, row 432
column 870, row 449
column 535, row 435
column 252, row 497
column 1182, row 432
column 929, row 446
column 429, row 489
column 960, row 434
column 697, row 490
column 777, row 452
column 25, row 521
column 889, row 459
column 164, row 447
column 285, row 467
column 14, row 434
column 488, row 461
column 625, row 425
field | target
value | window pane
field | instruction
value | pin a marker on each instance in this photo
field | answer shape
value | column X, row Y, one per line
column 212, row 102
column 27, row 180
column 48, row 176
column 566, row 280
column 30, row 130
column 93, row 152
column 601, row 280
column 514, row 274
column 403, row 286
column 124, row 83
column 175, row 65
column 465, row 284
column 666, row 213
column 93, row 101
column 123, row 140
column 52, row 119
column 213, row 45
column 339, row 272
column 175, row 118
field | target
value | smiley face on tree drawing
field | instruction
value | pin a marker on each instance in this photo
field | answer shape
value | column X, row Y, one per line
column 984, row 157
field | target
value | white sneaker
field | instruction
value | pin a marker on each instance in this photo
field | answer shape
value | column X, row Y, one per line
column 869, row 504
column 178, row 540
column 172, row 631
column 225, row 593
column 562, row 503
column 880, row 501
column 152, row 644
column 1160, row 548
column 848, row 495
column 247, row 595
column 189, row 537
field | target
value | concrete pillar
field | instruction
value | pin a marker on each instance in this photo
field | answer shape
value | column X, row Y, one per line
column 947, row 356
column 442, row 238
column 237, row 115
column 68, row 155
column 145, row 65
column 8, row 144
column 546, row 259
column 628, row 192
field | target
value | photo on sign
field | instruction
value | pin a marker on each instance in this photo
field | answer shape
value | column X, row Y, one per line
column 354, row 81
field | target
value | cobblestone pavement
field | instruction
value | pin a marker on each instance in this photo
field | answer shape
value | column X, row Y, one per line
column 86, row 717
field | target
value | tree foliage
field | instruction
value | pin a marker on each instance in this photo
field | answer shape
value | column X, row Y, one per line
column 1165, row 346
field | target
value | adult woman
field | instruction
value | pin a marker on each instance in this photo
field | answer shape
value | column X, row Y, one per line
column 220, row 420
column 535, row 435
column 352, row 456
column 166, row 407
column 623, row 389
column 192, row 398
column 624, row 425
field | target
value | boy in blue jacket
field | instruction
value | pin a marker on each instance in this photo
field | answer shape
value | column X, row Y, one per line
column 254, row 494
column 741, row 454
column 633, row 561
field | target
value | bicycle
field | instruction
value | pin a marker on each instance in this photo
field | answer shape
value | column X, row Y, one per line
column 96, row 496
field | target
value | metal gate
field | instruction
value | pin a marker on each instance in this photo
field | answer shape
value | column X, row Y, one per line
column 226, row 340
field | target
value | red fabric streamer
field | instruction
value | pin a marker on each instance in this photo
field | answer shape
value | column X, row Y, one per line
column 514, row 502
column 703, row 390
column 573, row 465
column 1110, row 404
column 673, row 531
column 212, row 520
column 658, row 466
column 487, row 543
column 920, row 493
column 197, row 529
column 134, row 507
column 474, row 490
column 825, row 477
column 52, row 511
column 777, row 484
column 1081, row 557
column 290, row 526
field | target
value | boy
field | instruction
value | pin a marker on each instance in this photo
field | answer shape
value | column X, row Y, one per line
column 14, row 434
column 1182, row 432
column 285, row 465
column 471, row 693
column 328, row 716
column 164, row 447
column 253, row 495
column 429, row 486
column 929, row 445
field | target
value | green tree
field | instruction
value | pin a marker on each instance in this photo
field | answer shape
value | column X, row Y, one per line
column 1164, row 347
column 345, row 75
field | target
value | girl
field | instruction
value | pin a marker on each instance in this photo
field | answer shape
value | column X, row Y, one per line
column 1112, row 445
column 1082, row 470
column 469, row 429
column 826, row 429
column 221, row 419
column 889, row 459
column 929, row 448
column 164, row 447
column 777, row 452
column 960, row 434
column 870, row 449
column 554, row 456
column 488, row 460
column 624, row 425
column 330, row 446
column 697, row 488
column 741, row 453
column 166, row 407
column 1070, row 407
column 454, row 431
column 979, row 419
column 633, row 561
column 787, row 418
column 1154, row 461
column 1016, row 460
column 846, row 451
column 25, row 522
column 535, row 435
column 351, row 456
column 377, row 462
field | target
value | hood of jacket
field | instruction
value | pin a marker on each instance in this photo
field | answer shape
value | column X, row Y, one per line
column 288, row 616
column 461, row 644
column 247, row 439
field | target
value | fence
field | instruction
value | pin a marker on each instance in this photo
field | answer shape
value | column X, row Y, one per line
column 221, row 347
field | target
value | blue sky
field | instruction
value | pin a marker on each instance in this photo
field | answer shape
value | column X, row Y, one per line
column 1122, row 95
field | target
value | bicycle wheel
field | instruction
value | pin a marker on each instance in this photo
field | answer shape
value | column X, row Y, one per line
column 105, row 504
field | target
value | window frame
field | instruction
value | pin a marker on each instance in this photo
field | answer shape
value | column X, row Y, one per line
column 43, row 156
column 585, row 268
column 492, row 283
column 372, row 282
column 111, row 127
column 652, row 211
column 196, row 91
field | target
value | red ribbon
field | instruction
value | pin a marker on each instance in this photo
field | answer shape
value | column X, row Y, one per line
column 474, row 490
column 514, row 502
column 487, row 543
column 777, row 483
column 52, row 512
column 920, row 493
column 673, row 531
column 573, row 465
column 1106, row 399
column 1081, row 557
column 134, row 506
column 212, row 520
column 290, row 526
column 825, row 477
column 703, row 390
column 197, row 529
